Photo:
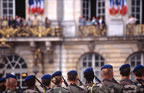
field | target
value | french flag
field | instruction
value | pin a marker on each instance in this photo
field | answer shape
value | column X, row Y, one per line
column 116, row 10
column 38, row 9
column 123, row 7
column 111, row 4
column 31, row 6
column 41, row 6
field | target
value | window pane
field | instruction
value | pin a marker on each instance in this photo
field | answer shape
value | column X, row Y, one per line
column 10, row 11
column 84, row 64
column 4, row 5
column 10, row 5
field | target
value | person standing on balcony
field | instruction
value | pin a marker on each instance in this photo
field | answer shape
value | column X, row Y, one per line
column 29, row 22
column 16, row 21
column 138, row 72
column 131, row 20
column 88, row 22
column 11, row 21
column 47, row 22
column 82, row 21
column 5, row 22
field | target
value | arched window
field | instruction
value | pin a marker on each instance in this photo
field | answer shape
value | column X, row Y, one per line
column 16, row 65
column 136, row 59
column 93, row 60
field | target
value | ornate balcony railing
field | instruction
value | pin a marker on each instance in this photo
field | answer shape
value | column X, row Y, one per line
column 92, row 30
column 135, row 30
column 36, row 31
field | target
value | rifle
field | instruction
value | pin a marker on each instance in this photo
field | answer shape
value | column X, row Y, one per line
column 66, row 84
column 42, row 85
column 80, row 82
column 97, row 79
column 115, row 81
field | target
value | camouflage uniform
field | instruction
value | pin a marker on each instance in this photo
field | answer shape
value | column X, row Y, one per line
column 128, row 86
column 107, row 86
column 57, row 89
column 30, row 91
column 73, row 88
column 12, row 91
column 140, row 84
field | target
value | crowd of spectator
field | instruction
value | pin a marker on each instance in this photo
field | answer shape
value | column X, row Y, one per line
column 96, row 21
column 21, row 22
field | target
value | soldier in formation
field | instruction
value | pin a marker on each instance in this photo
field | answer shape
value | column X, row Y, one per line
column 107, row 85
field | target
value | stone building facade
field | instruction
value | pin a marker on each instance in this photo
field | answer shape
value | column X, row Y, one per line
column 70, row 51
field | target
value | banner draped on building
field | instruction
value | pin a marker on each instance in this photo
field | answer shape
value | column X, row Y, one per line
column 36, row 6
column 118, row 6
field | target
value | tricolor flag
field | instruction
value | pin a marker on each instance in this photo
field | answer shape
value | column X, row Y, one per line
column 31, row 6
column 36, row 6
column 41, row 7
column 111, row 5
column 123, row 7
column 116, row 10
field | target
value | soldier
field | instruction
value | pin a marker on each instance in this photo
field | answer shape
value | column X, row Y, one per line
column 107, row 85
column 73, row 80
column 89, row 76
column 11, row 84
column 138, row 72
column 30, row 83
column 127, row 85
column 57, row 80
column 46, row 80
column 2, row 85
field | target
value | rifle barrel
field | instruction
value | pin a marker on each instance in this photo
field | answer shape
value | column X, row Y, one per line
column 66, row 84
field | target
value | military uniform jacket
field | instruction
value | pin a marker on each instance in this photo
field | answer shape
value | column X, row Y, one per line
column 107, row 86
column 30, row 91
column 57, row 89
column 140, row 84
column 128, row 86
column 11, row 91
column 73, row 88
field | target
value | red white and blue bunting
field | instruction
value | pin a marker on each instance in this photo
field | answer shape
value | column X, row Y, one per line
column 118, row 6
column 36, row 6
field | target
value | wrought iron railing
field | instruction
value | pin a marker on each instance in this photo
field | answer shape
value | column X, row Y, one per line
column 36, row 31
column 92, row 30
column 135, row 30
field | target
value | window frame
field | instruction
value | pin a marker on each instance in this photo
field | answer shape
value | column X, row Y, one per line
column 8, row 8
column 135, row 13
column 93, row 61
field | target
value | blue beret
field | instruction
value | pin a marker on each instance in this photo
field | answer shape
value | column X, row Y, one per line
column 124, row 66
column 46, row 76
column 57, row 73
column 73, row 71
column 11, row 76
column 88, row 70
column 29, row 77
column 2, row 80
column 107, row 66
column 138, row 67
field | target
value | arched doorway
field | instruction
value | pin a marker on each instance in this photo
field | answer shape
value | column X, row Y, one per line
column 135, row 59
column 16, row 65
column 93, row 60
